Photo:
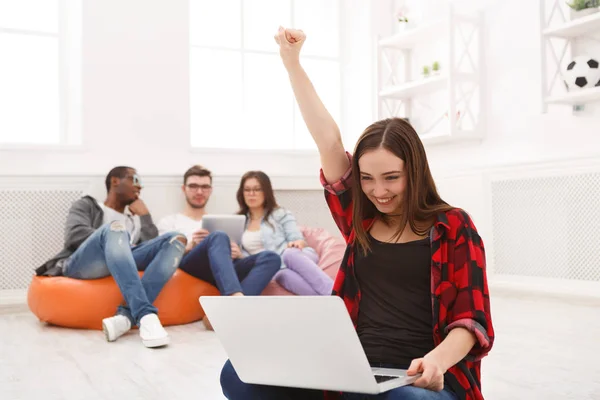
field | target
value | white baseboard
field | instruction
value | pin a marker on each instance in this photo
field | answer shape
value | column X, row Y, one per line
column 580, row 292
column 13, row 297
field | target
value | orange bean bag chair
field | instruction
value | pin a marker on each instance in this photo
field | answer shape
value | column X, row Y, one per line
column 330, row 249
column 75, row 303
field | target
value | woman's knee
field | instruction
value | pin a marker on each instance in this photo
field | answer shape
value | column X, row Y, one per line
column 288, row 254
column 234, row 389
column 230, row 381
column 311, row 254
column 283, row 276
column 270, row 260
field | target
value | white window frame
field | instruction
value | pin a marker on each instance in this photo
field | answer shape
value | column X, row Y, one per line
column 243, row 51
column 69, row 78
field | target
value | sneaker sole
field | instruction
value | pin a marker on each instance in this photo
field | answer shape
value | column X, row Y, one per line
column 163, row 341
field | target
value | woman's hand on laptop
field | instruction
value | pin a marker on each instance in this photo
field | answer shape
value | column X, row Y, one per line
column 299, row 244
column 235, row 251
column 432, row 374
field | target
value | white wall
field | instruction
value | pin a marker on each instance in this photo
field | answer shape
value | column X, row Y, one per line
column 135, row 97
column 517, row 131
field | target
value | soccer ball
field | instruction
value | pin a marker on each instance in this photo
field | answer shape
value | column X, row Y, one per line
column 582, row 73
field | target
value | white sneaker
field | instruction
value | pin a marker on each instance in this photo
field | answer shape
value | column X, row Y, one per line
column 115, row 327
column 152, row 332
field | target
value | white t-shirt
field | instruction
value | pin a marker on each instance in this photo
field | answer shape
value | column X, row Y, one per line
column 252, row 242
column 179, row 223
column 132, row 222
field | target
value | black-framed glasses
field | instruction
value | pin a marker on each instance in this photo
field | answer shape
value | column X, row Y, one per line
column 253, row 190
column 195, row 187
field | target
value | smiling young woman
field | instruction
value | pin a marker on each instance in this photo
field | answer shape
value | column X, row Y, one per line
column 414, row 264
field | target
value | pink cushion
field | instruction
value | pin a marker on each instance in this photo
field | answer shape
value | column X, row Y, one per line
column 330, row 250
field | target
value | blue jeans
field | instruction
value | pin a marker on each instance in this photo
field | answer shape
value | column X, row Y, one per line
column 234, row 389
column 211, row 261
column 408, row 392
column 108, row 252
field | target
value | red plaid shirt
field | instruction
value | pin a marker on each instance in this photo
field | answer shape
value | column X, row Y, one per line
column 459, row 290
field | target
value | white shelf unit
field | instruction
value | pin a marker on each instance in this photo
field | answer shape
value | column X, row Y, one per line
column 460, row 81
column 576, row 98
column 410, row 89
column 558, row 30
column 416, row 36
column 575, row 28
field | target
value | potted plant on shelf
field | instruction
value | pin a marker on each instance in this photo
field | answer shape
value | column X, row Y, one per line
column 582, row 8
column 435, row 67
column 426, row 71
column 402, row 18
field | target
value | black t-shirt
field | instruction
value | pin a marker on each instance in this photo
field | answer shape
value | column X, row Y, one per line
column 395, row 322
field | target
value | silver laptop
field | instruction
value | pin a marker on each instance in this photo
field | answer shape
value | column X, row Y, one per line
column 296, row 341
column 232, row 225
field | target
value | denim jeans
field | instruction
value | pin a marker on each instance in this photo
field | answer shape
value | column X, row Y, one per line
column 408, row 392
column 234, row 389
column 108, row 252
column 211, row 261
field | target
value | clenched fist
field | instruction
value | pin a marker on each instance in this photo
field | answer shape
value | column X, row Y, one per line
column 290, row 42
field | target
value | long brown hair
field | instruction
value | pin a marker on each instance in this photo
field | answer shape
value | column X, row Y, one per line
column 265, row 184
column 422, row 202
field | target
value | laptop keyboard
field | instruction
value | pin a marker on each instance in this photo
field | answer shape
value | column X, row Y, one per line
column 384, row 378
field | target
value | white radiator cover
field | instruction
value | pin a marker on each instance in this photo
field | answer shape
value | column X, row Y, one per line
column 548, row 226
column 31, row 230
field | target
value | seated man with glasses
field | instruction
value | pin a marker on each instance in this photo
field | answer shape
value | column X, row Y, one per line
column 117, row 237
column 211, row 256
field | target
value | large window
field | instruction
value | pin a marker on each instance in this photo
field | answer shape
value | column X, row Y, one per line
column 240, row 93
column 30, row 95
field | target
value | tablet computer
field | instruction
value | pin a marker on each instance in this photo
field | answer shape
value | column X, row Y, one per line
column 232, row 225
